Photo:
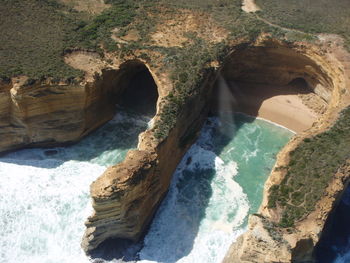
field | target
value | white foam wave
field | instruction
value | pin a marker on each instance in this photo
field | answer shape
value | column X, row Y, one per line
column 41, row 213
column 41, row 201
column 44, row 198
column 276, row 124
column 203, row 212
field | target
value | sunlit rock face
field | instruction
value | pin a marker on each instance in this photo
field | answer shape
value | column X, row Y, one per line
column 44, row 113
column 127, row 195
column 278, row 64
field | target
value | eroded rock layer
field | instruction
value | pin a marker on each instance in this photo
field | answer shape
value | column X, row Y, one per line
column 127, row 195
column 47, row 114
column 44, row 113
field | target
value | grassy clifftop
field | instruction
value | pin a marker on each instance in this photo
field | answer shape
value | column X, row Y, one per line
column 33, row 37
column 321, row 16
column 311, row 167
column 35, row 34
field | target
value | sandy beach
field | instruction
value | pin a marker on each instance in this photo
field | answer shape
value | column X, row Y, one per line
column 288, row 111
column 279, row 104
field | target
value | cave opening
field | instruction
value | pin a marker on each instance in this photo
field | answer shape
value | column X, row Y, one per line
column 130, row 89
column 300, row 85
column 273, row 82
column 134, row 89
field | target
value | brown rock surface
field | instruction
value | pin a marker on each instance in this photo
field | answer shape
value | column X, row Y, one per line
column 47, row 113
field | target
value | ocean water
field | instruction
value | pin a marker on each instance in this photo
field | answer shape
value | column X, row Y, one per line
column 343, row 251
column 335, row 248
column 217, row 184
column 44, row 193
column 44, row 197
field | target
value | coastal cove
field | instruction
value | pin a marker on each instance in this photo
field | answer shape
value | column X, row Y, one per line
column 218, row 183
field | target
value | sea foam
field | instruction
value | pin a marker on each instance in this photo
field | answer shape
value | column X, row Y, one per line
column 44, row 194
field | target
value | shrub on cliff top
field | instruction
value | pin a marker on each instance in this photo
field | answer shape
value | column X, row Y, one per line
column 311, row 168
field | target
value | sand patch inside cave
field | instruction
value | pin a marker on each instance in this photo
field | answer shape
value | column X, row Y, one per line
column 282, row 105
column 267, row 102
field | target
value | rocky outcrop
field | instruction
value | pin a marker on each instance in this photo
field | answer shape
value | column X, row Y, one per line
column 265, row 241
column 272, row 62
column 259, row 244
column 48, row 113
column 45, row 113
column 127, row 195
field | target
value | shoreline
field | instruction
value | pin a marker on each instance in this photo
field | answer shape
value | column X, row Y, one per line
column 286, row 110
column 282, row 105
column 276, row 124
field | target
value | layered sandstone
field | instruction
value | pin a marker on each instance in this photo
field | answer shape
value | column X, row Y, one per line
column 127, row 195
column 48, row 113
column 45, row 113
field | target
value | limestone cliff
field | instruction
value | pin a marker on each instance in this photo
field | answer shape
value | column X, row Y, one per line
column 126, row 196
column 48, row 113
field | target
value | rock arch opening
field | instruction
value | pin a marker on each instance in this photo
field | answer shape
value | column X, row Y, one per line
column 133, row 88
column 274, row 82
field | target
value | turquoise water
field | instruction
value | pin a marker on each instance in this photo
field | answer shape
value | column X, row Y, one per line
column 217, row 184
column 44, row 197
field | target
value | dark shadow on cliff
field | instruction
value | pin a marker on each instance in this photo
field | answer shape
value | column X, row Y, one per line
column 136, row 106
column 335, row 240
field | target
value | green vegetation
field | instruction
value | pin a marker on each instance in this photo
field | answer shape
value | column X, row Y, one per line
column 35, row 34
column 97, row 33
column 311, row 167
column 190, row 68
column 32, row 39
column 321, row 16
